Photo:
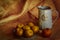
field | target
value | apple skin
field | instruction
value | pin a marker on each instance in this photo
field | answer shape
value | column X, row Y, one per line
column 46, row 32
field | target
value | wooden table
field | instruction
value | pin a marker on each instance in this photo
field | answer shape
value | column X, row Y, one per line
column 55, row 35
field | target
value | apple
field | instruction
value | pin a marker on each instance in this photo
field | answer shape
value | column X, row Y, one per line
column 31, row 24
column 20, row 25
column 46, row 32
column 26, row 27
column 19, row 32
column 29, row 33
column 35, row 29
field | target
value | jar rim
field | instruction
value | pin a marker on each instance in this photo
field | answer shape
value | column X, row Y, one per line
column 44, row 7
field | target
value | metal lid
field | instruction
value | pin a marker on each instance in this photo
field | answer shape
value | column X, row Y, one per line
column 44, row 7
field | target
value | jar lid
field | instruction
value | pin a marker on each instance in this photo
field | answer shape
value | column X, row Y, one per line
column 44, row 7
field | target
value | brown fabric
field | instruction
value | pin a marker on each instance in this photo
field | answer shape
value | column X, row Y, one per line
column 25, row 18
column 25, row 7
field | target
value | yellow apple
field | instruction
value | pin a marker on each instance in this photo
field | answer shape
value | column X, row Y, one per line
column 19, row 32
column 29, row 33
column 20, row 25
column 31, row 24
column 26, row 27
column 35, row 29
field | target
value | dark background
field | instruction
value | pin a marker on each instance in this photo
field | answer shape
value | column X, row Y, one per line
column 57, row 5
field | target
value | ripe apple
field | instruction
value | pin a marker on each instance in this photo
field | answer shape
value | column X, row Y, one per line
column 26, row 27
column 35, row 29
column 29, row 33
column 46, row 32
column 19, row 32
column 31, row 24
column 20, row 25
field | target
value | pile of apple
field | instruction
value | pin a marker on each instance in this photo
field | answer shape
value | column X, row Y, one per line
column 30, row 29
column 27, row 30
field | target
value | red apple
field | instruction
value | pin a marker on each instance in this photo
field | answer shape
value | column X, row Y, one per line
column 46, row 32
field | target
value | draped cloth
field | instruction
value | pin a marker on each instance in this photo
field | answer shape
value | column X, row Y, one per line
column 22, row 10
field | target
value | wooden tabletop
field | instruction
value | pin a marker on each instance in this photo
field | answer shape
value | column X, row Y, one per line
column 55, row 34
